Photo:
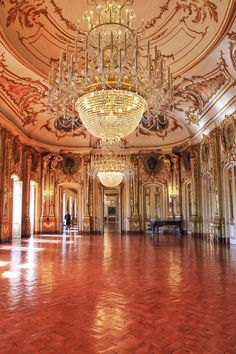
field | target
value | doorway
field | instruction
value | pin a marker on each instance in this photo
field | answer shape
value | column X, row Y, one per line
column 17, row 207
column 207, row 203
column 230, row 201
column 187, row 205
column 69, row 205
column 32, row 206
column 111, row 210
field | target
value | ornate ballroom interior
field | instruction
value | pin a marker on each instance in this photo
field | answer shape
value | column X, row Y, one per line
column 144, row 91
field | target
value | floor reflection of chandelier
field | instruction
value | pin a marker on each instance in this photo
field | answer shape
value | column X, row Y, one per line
column 112, row 81
column 110, row 169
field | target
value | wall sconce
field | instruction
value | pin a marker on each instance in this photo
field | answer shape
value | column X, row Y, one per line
column 173, row 193
column 48, row 194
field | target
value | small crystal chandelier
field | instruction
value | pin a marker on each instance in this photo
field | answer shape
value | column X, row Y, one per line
column 111, row 169
column 112, row 82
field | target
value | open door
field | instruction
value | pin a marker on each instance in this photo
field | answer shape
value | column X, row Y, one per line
column 17, row 207
column 111, row 210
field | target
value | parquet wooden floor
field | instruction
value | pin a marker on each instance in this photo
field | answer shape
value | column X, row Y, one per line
column 117, row 294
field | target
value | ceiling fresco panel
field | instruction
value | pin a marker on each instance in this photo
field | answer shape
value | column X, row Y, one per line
column 197, row 37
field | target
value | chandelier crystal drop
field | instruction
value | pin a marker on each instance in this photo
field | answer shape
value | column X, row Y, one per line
column 112, row 81
column 110, row 179
column 111, row 169
column 111, row 145
column 108, row 113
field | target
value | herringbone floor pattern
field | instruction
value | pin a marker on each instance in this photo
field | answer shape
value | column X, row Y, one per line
column 117, row 294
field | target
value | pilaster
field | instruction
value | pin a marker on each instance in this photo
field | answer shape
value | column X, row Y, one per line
column 87, row 197
column 5, row 229
column 218, row 225
column 196, row 218
column 48, row 219
column 26, row 192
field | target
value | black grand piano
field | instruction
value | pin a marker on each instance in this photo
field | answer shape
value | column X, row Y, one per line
column 154, row 225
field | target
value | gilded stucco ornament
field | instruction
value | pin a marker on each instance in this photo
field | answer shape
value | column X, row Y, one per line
column 15, row 156
column 35, row 160
column 228, row 132
column 15, row 153
column 160, row 125
column 70, row 164
column 193, row 95
column 63, row 126
column 205, row 149
column 186, row 160
column 185, row 166
column 228, row 139
column 52, row 22
column 145, row 174
column 232, row 47
column 63, row 168
column 26, row 95
column 152, row 163
column 207, row 156
column 35, row 165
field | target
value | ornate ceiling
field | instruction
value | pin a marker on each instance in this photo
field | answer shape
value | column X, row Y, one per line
column 198, row 38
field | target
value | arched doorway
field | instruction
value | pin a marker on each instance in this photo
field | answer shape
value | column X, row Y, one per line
column 69, row 203
column 111, row 209
column 208, row 203
column 34, row 208
column 230, row 200
column 187, row 204
column 16, row 207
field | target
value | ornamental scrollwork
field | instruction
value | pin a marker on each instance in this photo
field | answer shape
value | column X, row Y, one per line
column 152, row 163
column 228, row 133
column 157, row 124
column 24, row 93
column 205, row 149
column 186, row 157
column 232, row 47
column 15, row 154
column 65, row 126
column 29, row 14
column 70, row 164
column 197, row 91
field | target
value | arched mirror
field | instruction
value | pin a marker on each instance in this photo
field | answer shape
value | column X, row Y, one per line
column 230, row 201
column 153, row 203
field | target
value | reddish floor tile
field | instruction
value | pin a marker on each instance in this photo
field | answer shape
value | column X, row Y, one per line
column 117, row 294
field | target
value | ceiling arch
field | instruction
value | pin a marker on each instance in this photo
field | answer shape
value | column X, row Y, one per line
column 197, row 37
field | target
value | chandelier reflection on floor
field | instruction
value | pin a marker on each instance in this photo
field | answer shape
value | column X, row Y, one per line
column 110, row 83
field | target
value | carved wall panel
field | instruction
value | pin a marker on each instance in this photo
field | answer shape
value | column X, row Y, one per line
column 228, row 138
column 15, row 158
column 35, row 166
column 232, row 47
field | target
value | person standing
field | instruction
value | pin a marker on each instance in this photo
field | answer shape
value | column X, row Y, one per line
column 67, row 220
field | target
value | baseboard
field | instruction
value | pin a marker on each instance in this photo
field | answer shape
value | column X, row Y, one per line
column 5, row 241
column 90, row 232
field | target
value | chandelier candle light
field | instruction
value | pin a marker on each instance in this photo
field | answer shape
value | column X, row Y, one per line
column 113, row 82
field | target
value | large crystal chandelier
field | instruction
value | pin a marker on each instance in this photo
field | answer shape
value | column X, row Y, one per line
column 111, row 82
column 111, row 169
